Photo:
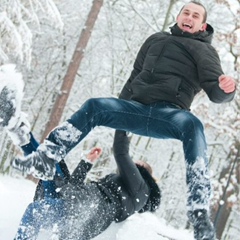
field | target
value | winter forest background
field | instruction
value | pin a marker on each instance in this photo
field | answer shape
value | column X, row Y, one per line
column 40, row 37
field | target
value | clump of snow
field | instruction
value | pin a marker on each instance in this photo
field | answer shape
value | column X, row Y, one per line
column 12, row 80
column 148, row 226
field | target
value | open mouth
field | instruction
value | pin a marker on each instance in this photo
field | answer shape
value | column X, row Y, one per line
column 187, row 26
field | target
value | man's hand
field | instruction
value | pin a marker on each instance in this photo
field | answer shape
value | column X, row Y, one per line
column 94, row 154
column 227, row 83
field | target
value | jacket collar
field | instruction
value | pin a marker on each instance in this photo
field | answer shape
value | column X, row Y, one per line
column 205, row 36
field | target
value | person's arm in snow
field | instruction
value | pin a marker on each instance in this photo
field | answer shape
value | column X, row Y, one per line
column 128, row 170
column 79, row 174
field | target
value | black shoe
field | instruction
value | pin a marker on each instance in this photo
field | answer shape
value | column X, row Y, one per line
column 11, row 94
column 36, row 164
column 7, row 108
column 202, row 225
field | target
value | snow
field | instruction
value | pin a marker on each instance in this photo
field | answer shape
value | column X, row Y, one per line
column 17, row 193
column 12, row 80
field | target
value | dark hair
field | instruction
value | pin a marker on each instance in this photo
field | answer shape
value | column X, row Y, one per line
column 200, row 4
column 154, row 199
column 145, row 165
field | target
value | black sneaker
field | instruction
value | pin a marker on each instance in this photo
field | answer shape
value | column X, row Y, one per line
column 7, row 108
column 202, row 225
column 11, row 94
column 36, row 164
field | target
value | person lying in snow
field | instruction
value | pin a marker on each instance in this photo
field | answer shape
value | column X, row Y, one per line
column 82, row 210
column 78, row 210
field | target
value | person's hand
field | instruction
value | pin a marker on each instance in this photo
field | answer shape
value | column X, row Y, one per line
column 94, row 154
column 227, row 83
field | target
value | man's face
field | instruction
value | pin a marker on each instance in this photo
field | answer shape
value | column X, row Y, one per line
column 190, row 19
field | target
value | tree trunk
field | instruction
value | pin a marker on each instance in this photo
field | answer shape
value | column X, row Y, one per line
column 68, row 80
column 168, row 14
column 222, row 210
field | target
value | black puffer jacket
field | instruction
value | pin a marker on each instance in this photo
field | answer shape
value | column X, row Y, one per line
column 133, row 189
column 175, row 67
column 114, row 189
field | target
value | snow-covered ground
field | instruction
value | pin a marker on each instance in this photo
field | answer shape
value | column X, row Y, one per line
column 16, row 194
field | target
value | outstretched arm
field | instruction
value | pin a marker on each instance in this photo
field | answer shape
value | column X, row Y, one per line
column 220, row 88
column 227, row 83
column 128, row 171
column 79, row 174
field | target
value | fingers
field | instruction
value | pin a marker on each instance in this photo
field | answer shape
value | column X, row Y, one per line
column 227, row 83
column 94, row 154
column 96, row 151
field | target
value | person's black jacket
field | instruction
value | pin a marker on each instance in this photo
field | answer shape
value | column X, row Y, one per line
column 147, row 197
column 134, row 188
column 130, row 190
column 175, row 67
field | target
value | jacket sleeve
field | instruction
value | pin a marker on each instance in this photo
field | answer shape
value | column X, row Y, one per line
column 79, row 174
column 209, row 70
column 121, row 145
column 126, row 92
column 128, row 171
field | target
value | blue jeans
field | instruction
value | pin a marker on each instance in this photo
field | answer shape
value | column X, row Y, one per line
column 161, row 120
column 40, row 214
column 49, row 187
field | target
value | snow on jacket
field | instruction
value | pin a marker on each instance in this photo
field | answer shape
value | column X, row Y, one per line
column 117, row 188
column 147, row 198
column 175, row 67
